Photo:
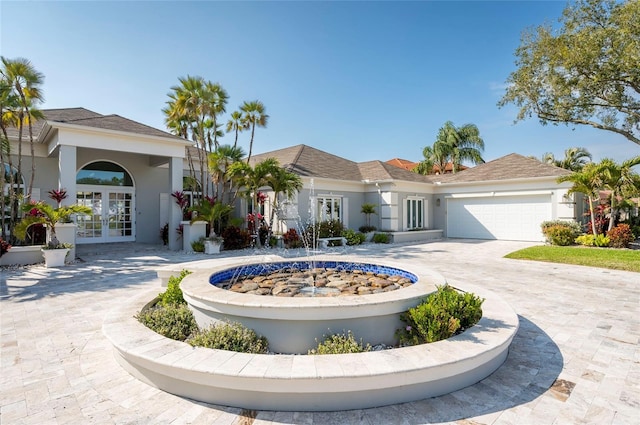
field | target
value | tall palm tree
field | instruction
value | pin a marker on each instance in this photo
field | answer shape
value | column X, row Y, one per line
column 587, row 181
column 192, row 112
column 621, row 180
column 284, row 182
column 253, row 116
column 25, row 81
column 235, row 124
column 425, row 166
column 219, row 162
column 466, row 145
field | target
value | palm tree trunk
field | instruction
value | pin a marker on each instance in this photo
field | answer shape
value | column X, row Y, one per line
column 612, row 214
column 253, row 128
column 593, row 217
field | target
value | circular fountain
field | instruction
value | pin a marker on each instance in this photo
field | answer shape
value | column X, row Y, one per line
column 291, row 324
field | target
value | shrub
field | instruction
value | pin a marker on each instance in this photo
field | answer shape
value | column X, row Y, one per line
column 173, row 321
column 291, row 239
column 232, row 337
column 353, row 237
column 367, row 229
column 236, row 238
column 561, row 232
column 443, row 314
column 164, row 234
column 381, row 238
column 560, row 235
column 330, row 229
column 620, row 236
column 4, row 247
column 198, row 246
column 343, row 343
column 592, row 240
column 173, row 294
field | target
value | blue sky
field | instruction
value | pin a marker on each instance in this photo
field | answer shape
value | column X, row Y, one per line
column 363, row 80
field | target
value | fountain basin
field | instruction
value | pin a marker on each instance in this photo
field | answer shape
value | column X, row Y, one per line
column 313, row 383
column 295, row 325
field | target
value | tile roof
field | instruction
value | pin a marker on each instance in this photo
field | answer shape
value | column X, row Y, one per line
column 87, row 118
column 402, row 163
column 311, row 162
column 512, row 166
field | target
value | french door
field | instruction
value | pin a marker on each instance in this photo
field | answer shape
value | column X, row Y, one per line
column 112, row 217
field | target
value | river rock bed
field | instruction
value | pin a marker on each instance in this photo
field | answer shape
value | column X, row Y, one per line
column 325, row 282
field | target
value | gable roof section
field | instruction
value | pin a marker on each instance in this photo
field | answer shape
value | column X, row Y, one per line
column 512, row 166
column 87, row 118
column 402, row 163
column 311, row 162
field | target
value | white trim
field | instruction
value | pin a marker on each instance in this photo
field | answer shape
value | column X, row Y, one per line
column 496, row 194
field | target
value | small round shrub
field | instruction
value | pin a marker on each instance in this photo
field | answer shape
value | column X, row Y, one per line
column 443, row 314
column 561, row 232
column 620, row 236
column 353, row 237
column 230, row 336
column 381, row 238
column 173, row 294
column 343, row 343
column 330, row 229
column 173, row 321
column 367, row 229
column 291, row 239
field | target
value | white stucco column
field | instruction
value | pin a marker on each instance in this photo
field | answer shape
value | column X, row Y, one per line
column 175, row 215
column 67, row 173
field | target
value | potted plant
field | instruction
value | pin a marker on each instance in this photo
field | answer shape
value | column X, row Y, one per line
column 54, row 252
column 368, row 209
column 211, row 211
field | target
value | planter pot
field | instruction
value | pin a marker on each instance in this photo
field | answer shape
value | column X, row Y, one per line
column 368, row 237
column 212, row 247
column 54, row 257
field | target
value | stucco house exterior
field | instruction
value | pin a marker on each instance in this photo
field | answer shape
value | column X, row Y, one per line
column 126, row 172
column 116, row 166
column 506, row 198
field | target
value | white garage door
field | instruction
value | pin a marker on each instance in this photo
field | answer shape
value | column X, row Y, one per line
column 515, row 218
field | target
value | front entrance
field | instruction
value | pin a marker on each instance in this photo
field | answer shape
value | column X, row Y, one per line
column 113, row 214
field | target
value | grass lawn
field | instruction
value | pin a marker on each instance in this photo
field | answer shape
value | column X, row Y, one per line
column 619, row 259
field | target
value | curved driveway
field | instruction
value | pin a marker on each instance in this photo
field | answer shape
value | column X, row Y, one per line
column 575, row 358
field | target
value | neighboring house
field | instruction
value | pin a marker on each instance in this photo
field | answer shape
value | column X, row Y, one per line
column 117, row 166
column 506, row 198
column 408, row 165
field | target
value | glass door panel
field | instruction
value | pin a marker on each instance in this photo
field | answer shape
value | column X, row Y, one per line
column 112, row 217
column 90, row 226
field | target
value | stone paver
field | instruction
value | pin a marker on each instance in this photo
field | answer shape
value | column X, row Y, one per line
column 574, row 360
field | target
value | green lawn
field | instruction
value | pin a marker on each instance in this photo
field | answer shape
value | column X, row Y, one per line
column 619, row 259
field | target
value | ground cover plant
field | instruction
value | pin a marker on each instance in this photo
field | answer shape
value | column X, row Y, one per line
column 231, row 337
column 343, row 343
column 617, row 259
column 443, row 314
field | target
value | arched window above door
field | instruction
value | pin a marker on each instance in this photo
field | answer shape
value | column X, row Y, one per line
column 104, row 173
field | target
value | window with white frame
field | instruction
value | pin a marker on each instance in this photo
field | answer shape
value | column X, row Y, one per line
column 329, row 208
column 414, row 207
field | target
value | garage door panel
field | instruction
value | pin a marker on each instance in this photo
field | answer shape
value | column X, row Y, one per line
column 508, row 217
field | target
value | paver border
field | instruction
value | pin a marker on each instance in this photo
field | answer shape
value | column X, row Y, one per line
column 313, row 383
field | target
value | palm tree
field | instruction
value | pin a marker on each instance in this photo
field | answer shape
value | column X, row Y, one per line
column 235, row 124
column 219, row 162
column 211, row 211
column 49, row 216
column 425, row 166
column 192, row 112
column 25, row 80
column 621, row 180
column 575, row 159
column 253, row 116
column 285, row 182
column 252, row 179
column 466, row 145
column 587, row 181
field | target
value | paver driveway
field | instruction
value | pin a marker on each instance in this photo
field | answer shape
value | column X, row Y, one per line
column 575, row 358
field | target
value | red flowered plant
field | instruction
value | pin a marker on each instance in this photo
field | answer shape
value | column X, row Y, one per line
column 58, row 195
column 261, row 197
column 4, row 247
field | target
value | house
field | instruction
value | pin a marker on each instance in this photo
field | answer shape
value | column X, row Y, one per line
column 125, row 171
column 506, row 198
column 118, row 167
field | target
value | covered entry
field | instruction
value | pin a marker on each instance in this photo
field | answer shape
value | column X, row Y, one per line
column 496, row 216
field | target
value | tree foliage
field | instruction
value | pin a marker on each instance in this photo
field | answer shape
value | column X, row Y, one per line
column 585, row 73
